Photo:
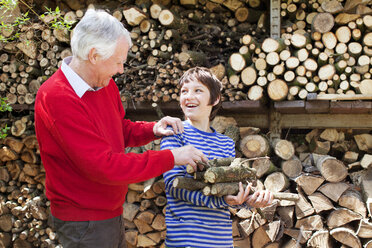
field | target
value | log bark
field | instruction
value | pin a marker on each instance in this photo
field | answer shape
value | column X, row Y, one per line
column 229, row 174
column 188, row 183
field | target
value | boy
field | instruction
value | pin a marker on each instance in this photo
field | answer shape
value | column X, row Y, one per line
column 192, row 219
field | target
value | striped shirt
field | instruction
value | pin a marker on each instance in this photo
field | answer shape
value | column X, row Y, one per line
column 193, row 219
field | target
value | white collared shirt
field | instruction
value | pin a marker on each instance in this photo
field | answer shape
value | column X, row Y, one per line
column 76, row 82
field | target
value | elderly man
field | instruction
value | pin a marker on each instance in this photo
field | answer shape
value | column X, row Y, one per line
column 82, row 133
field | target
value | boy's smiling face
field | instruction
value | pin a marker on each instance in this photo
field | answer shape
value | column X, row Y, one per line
column 194, row 101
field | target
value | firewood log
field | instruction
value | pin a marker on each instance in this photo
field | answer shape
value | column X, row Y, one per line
column 333, row 190
column 221, row 189
column 259, row 238
column 364, row 229
column 213, row 163
column 296, row 233
column 283, row 148
column 341, row 216
column 309, row 183
column 292, row 168
column 263, row 166
column 346, row 236
column 332, row 170
column 352, row 200
column 277, row 89
column 276, row 182
column 254, row 146
column 311, row 223
column 320, row 202
column 188, row 183
column 319, row 239
column 229, row 174
column 303, row 208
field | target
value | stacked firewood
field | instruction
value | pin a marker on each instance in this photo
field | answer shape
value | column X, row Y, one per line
column 23, row 204
column 329, row 172
column 325, row 47
column 28, row 62
column 168, row 39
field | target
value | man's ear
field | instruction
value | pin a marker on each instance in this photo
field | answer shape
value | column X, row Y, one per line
column 93, row 56
column 217, row 101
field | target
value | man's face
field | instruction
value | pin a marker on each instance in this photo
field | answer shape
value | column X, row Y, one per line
column 105, row 69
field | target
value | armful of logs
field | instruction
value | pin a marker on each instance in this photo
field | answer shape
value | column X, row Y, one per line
column 222, row 176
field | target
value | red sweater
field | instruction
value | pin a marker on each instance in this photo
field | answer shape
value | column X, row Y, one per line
column 82, row 142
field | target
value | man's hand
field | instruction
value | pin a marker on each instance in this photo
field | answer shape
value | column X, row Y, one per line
column 188, row 155
column 160, row 127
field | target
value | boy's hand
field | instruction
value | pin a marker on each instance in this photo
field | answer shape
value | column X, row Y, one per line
column 241, row 197
column 261, row 198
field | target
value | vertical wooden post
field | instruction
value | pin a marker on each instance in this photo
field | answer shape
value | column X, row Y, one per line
column 275, row 19
column 275, row 127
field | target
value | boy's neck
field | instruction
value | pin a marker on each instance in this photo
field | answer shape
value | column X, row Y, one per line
column 202, row 125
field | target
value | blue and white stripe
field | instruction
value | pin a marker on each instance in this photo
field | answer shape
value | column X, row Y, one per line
column 193, row 219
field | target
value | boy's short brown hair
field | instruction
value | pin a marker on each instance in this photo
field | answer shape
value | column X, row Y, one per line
column 206, row 77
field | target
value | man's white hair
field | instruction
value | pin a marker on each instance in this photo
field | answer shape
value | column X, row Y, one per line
column 99, row 30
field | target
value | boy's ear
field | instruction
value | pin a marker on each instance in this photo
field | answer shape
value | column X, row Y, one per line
column 217, row 101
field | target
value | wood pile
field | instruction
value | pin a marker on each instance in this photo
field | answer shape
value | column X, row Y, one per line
column 23, row 204
column 325, row 47
column 167, row 38
column 329, row 170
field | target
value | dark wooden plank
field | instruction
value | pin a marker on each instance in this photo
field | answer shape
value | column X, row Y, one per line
column 359, row 107
column 243, row 107
column 340, row 107
column 169, row 108
column 311, row 121
column 317, row 107
column 21, row 107
column 290, row 107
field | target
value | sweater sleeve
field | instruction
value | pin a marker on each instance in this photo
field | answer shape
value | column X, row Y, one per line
column 195, row 197
column 65, row 127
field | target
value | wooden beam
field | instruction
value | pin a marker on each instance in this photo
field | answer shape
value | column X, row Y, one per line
column 304, row 121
